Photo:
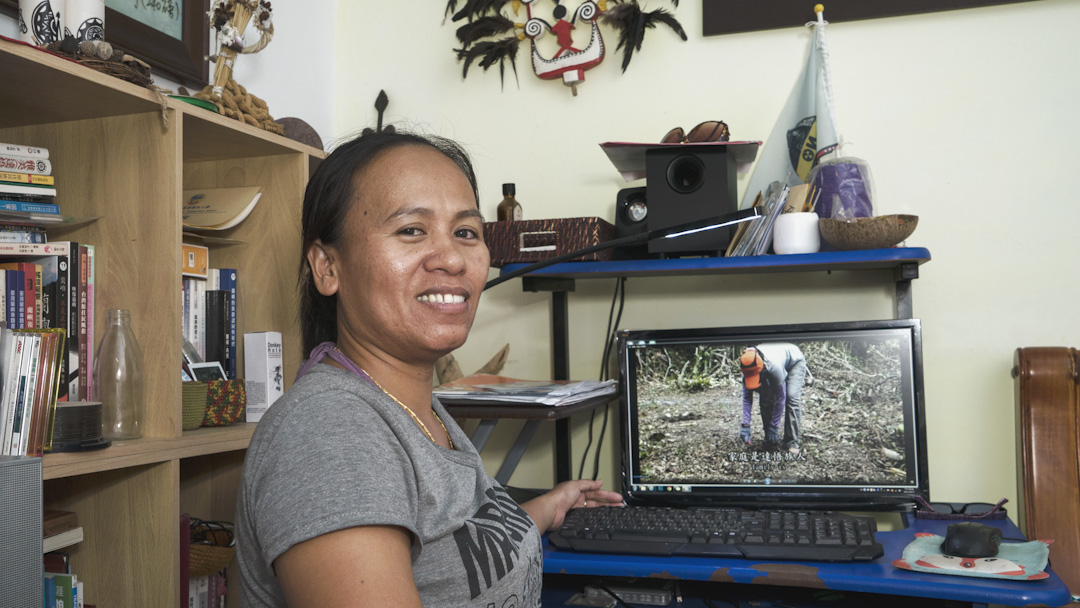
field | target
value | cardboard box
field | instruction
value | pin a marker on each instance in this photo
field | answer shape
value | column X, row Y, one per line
column 194, row 261
column 263, row 372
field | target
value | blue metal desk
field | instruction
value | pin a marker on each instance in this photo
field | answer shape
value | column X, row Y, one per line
column 877, row 577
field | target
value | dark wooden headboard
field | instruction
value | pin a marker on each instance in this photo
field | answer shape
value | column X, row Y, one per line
column 1048, row 453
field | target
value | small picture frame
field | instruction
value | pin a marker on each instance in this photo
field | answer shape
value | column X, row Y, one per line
column 204, row 372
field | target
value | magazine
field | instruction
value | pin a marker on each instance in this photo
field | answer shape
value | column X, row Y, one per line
column 487, row 387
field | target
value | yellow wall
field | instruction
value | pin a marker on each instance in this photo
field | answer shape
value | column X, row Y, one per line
column 968, row 119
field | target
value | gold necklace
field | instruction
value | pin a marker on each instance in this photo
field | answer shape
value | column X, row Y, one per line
column 412, row 414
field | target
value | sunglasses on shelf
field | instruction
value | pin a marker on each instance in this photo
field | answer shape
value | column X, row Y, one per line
column 708, row 131
column 960, row 510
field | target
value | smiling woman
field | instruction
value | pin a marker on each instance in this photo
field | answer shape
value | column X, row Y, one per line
column 358, row 472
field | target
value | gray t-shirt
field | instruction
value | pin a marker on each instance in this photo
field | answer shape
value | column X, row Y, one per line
column 335, row 452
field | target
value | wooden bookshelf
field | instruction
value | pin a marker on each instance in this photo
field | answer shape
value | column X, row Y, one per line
column 122, row 153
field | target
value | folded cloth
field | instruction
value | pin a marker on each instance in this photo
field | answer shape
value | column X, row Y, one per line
column 1016, row 561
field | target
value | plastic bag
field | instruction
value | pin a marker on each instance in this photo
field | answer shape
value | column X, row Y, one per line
column 846, row 188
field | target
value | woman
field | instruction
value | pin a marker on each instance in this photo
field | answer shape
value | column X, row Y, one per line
column 358, row 489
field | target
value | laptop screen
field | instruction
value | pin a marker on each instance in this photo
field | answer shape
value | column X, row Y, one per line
column 811, row 416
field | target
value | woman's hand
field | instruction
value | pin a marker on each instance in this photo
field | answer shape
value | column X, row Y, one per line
column 549, row 509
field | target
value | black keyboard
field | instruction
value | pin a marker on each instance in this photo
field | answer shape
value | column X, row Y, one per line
column 738, row 533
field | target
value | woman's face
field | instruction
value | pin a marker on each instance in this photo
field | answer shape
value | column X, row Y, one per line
column 413, row 261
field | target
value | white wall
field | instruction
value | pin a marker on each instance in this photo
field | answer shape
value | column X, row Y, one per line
column 966, row 117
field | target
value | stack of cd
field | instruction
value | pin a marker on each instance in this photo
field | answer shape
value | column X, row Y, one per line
column 78, row 427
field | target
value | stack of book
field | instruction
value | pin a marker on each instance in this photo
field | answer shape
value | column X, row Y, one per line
column 500, row 389
column 27, row 186
column 209, row 300
column 30, row 363
column 47, row 286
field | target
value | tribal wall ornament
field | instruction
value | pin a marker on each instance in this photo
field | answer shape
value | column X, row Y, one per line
column 490, row 36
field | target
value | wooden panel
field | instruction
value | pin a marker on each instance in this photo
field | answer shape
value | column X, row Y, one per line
column 129, row 555
column 209, row 440
column 733, row 16
column 1048, row 446
column 267, row 260
column 101, row 166
column 81, row 92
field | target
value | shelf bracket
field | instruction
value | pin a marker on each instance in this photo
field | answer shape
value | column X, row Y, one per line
column 903, row 275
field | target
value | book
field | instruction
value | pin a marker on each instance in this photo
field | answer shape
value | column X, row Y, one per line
column 74, row 378
column 27, row 235
column 52, row 347
column 263, row 372
column 28, row 189
column 30, row 394
column 28, row 207
column 57, row 561
column 84, row 371
column 63, row 539
column 217, row 330
column 65, row 588
column 27, row 299
column 194, row 261
column 9, row 250
column 48, row 591
column 218, row 208
column 24, row 164
column 488, row 387
column 227, row 282
column 27, row 178
column 25, row 151
column 91, row 334
column 55, row 521
column 9, row 358
column 12, row 287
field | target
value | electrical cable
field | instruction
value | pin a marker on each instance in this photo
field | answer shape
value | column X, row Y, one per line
column 611, row 340
column 601, row 376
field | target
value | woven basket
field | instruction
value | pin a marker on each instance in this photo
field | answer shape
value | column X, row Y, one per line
column 204, row 560
column 211, row 547
column 194, row 404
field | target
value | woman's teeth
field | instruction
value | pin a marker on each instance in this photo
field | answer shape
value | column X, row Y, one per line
column 441, row 298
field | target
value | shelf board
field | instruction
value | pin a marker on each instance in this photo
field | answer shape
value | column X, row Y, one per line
column 122, row 454
column 35, row 78
column 833, row 260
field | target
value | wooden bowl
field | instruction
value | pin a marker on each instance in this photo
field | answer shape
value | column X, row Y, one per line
column 879, row 232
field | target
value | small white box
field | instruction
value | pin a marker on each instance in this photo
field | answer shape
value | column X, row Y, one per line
column 263, row 372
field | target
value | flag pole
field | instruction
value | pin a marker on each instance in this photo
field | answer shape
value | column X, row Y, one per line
column 819, row 39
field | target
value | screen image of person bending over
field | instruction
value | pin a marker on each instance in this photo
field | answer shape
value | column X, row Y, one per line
column 777, row 373
column 358, row 489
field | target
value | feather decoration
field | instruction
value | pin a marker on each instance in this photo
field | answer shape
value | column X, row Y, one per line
column 451, row 7
column 475, row 8
column 491, row 52
column 631, row 23
column 483, row 28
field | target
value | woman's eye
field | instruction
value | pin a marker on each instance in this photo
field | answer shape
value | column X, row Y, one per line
column 467, row 233
column 410, row 231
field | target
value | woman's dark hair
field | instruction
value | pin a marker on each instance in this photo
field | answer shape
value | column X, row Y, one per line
column 327, row 200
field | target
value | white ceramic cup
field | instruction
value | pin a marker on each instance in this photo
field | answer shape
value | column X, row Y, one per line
column 796, row 233
column 85, row 19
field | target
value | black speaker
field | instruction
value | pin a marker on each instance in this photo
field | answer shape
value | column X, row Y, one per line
column 631, row 218
column 688, row 183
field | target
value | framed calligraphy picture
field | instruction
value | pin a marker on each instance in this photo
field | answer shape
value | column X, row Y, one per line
column 733, row 16
column 173, row 36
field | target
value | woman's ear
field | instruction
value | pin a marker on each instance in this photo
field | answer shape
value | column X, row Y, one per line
column 323, row 267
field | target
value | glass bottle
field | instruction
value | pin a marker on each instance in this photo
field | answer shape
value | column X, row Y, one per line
column 509, row 209
column 118, row 374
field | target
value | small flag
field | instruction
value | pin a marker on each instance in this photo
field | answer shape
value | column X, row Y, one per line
column 805, row 132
